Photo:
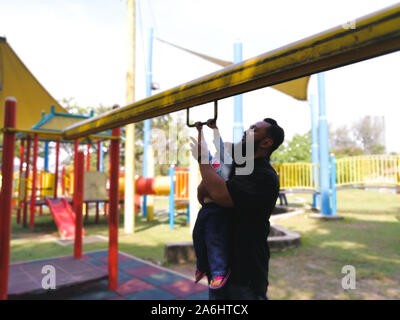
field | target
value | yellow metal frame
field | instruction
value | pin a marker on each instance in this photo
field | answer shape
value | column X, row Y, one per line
column 53, row 135
column 376, row 34
column 368, row 170
column 297, row 175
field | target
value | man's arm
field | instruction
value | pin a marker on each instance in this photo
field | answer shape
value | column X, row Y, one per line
column 215, row 186
column 201, row 192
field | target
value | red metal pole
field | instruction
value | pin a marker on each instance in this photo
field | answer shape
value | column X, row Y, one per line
column 98, row 169
column 41, row 192
column 63, row 181
column 56, row 171
column 28, row 156
column 88, row 157
column 87, row 169
column 21, row 177
column 34, row 178
column 76, row 149
column 78, row 200
column 113, row 213
column 86, row 210
column 7, row 171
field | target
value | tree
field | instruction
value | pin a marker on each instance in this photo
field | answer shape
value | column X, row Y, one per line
column 369, row 132
column 342, row 143
column 298, row 149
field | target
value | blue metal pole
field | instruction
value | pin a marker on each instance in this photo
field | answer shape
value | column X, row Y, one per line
column 171, row 202
column 238, row 99
column 46, row 156
column 323, row 147
column 147, row 122
column 188, row 213
column 314, row 148
column 333, row 184
column 101, row 158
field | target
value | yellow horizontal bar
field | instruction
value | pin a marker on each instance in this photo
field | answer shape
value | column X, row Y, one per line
column 374, row 35
column 52, row 135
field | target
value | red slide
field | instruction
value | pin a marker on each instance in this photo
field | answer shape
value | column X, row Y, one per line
column 64, row 217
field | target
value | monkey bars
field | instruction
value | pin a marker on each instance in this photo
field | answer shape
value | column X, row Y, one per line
column 374, row 35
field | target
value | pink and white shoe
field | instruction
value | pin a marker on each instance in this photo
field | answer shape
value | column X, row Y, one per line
column 219, row 282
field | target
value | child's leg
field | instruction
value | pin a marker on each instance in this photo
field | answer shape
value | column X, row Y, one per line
column 199, row 242
column 216, row 235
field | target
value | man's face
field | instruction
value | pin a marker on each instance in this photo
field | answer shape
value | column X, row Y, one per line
column 259, row 133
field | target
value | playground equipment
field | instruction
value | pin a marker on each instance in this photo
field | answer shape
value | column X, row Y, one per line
column 375, row 35
column 63, row 216
column 351, row 172
column 175, row 186
column 45, row 184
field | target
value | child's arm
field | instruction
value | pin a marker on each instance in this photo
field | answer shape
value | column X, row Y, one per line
column 219, row 143
column 200, row 138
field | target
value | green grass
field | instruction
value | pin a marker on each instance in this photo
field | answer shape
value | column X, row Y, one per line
column 368, row 238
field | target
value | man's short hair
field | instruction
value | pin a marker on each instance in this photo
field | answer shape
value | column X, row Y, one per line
column 275, row 132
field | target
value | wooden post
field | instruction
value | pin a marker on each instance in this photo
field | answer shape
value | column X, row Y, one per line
column 129, row 194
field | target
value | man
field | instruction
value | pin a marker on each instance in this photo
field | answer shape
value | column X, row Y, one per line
column 249, row 200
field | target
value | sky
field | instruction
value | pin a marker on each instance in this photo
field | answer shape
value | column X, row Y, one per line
column 78, row 49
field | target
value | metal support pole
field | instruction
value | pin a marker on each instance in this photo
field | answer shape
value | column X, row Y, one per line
column 21, row 178
column 78, row 200
column 7, row 172
column 27, row 160
column 323, row 147
column 98, row 169
column 88, row 157
column 34, row 180
column 76, row 149
column 46, row 156
column 238, row 99
column 113, row 212
column 56, row 169
column 63, row 170
column 101, row 169
column 314, row 148
column 147, row 122
column 171, row 202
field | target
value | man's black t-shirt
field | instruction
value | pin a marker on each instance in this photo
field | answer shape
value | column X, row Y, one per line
column 254, row 197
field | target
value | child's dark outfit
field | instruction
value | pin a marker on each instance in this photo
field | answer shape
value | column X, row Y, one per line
column 210, row 233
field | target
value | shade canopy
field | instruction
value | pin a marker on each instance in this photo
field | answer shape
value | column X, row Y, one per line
column 295, row 88
column 17, row 81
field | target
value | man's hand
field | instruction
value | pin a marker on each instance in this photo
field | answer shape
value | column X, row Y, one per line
column 211, row 123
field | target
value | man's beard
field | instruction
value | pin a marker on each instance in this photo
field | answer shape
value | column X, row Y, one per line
column 243, row 146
